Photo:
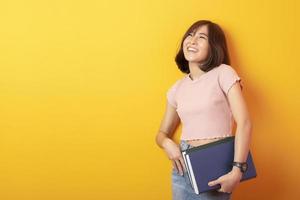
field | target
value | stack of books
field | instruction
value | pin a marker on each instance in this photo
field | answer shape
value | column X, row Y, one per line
column 208, row 162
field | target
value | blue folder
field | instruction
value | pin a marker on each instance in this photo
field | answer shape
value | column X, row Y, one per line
column 208, row 162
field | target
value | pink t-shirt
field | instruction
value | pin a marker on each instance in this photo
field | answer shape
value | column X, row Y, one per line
column 202, row 104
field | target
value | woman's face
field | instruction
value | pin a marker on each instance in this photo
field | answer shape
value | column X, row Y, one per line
column 196, row 46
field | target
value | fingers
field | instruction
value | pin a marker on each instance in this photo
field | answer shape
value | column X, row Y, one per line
column 182, row 163
column 177, row 161
column 221, row 190
column 174, row 166
column 215, row 182
column 222, row 187
column 179, row 167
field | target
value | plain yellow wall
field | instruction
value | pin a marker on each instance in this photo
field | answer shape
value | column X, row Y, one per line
column 83, row 85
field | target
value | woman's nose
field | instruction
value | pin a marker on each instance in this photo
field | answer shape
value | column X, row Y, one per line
column 193, row 40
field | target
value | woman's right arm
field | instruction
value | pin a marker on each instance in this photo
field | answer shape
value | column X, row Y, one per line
column 164, row 137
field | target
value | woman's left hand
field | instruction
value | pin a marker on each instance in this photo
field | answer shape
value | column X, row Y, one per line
column 228, row 181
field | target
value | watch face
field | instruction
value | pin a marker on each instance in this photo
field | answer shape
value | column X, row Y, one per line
column 243, row 166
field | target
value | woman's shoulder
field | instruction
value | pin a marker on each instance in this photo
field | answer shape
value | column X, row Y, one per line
column 177, row 82
column 225, row 67
column 180, row 79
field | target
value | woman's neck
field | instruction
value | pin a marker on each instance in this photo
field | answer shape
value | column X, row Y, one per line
column 195, row 71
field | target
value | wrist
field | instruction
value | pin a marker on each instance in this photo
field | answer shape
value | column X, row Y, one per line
column 236, row 171
column 165, row 142
column 243, row 166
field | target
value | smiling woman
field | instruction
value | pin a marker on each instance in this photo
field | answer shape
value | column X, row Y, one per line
column 207, row 101
column 195, row 45
column 210, row 43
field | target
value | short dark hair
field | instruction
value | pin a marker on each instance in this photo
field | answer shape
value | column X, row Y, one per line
column 218, row 52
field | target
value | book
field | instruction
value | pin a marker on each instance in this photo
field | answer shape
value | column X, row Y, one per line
column 208, row 162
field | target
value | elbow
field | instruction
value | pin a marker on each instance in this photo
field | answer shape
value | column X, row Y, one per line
column 157, row 138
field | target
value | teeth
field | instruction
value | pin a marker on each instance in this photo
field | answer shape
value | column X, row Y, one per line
column 192, row 49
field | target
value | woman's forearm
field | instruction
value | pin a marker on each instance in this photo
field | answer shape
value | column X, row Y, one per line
column 161, row 138
column 242, row 141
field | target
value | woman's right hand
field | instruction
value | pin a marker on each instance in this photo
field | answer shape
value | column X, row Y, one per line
column 173, row 152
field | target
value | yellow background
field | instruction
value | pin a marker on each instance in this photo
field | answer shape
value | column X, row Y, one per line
column 83, row 85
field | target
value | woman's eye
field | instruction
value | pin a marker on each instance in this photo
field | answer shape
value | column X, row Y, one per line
column 190, row 34
column 202, row 37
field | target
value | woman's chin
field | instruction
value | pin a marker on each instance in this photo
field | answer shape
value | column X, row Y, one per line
column 193, row 60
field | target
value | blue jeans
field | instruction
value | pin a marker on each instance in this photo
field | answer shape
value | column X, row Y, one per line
column 182, row 188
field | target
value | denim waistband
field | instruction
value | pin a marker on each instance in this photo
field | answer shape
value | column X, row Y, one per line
column 184, row 145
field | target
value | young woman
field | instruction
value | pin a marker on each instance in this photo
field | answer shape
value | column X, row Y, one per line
column 207, row 100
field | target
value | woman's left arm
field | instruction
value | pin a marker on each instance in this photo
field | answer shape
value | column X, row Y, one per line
column 242, row 138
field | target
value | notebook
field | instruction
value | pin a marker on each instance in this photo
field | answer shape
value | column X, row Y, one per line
column 208, row 162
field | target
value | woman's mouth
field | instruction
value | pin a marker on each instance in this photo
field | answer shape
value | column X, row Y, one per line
column 192, row 49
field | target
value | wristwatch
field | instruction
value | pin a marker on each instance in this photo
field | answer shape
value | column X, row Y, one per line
column 242, row 165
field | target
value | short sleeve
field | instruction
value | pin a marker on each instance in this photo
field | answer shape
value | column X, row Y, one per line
column 171, row 94
column 227, row 77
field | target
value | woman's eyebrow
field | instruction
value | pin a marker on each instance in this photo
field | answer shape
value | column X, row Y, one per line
column 202, row 34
